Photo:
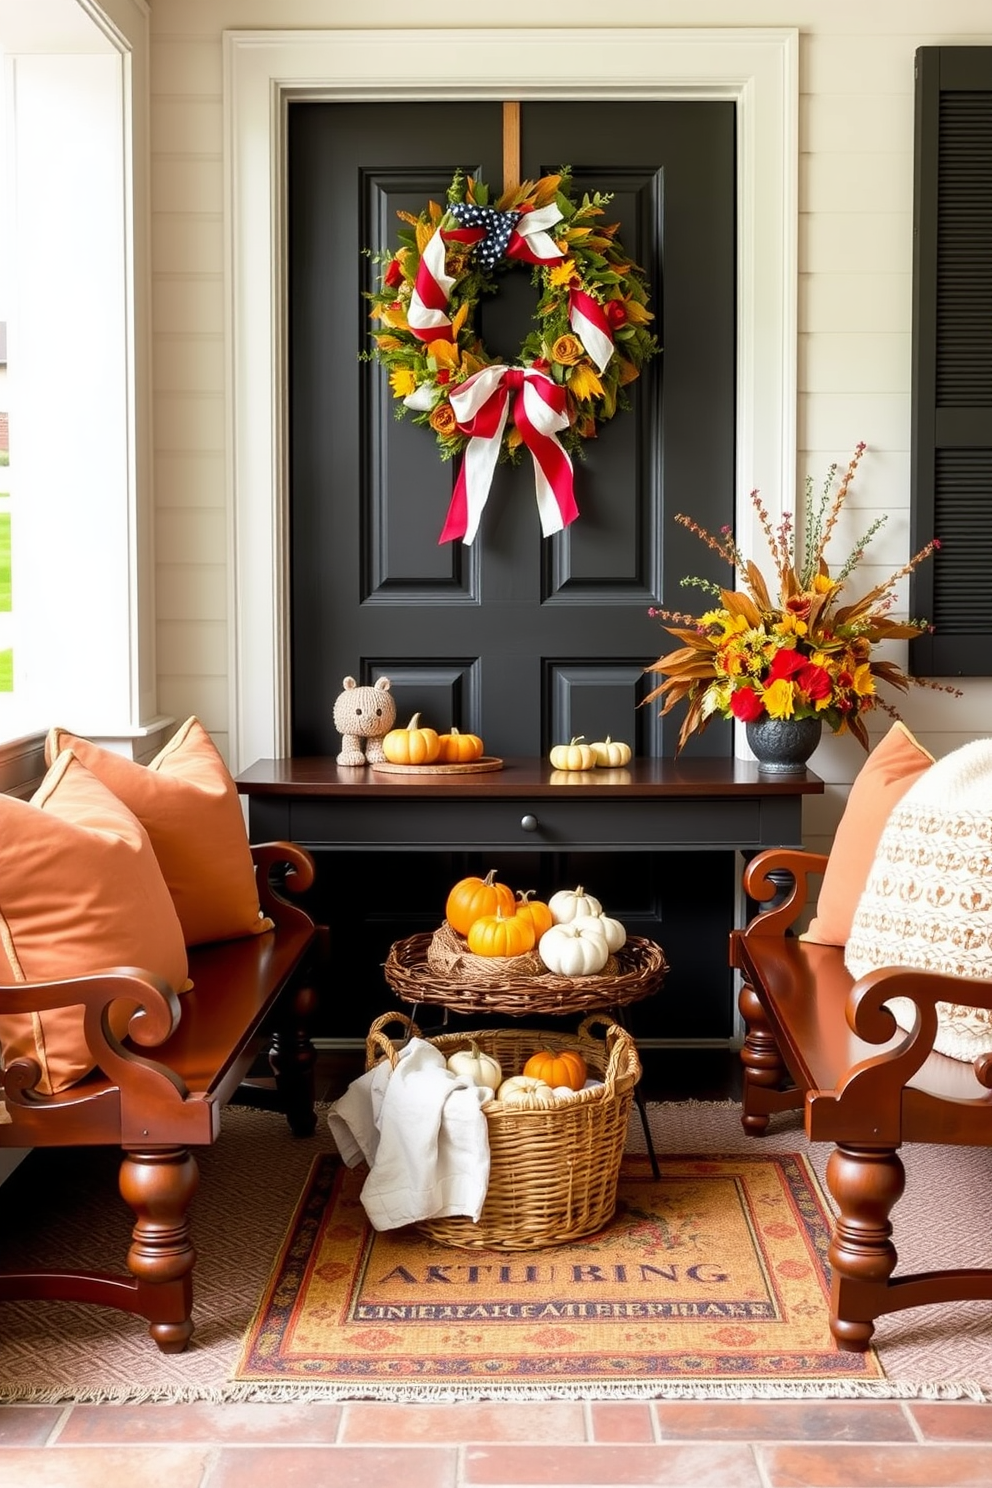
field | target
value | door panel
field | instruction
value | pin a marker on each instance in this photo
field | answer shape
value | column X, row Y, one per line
column 373, row 591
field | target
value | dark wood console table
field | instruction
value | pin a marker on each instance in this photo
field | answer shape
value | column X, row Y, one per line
column 638, row 815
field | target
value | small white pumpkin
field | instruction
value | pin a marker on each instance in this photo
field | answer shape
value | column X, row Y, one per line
column 573, row 952
column 573, row 756
column 611, row 752
column 480, row 1068
column 568, row 904
column 527, row 1092
column 616, row 935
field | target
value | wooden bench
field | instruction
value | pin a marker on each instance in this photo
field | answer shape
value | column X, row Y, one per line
column 818, row 1041
column 161, row 1091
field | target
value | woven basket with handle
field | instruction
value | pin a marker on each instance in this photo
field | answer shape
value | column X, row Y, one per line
column 553, row 1173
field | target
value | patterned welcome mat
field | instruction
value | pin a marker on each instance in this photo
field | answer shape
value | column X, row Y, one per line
column 715, row 1272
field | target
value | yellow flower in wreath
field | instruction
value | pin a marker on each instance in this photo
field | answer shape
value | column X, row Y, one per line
column 402, row 381
column 562, row 273
column 584, row 383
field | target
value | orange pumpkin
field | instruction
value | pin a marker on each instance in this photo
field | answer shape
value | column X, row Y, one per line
column 411, row 746
column 456, row 748
column 501, row 935
column 471, row 898
column 534, row 910
column 566, row 1067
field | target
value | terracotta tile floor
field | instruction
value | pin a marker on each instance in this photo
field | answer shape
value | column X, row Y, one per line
column 705, row 1444
column 785, row 1444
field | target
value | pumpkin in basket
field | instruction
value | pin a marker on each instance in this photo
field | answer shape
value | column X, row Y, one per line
column 572, row 952
column 471, row 898
column 478, row 1066
column 564, row 1067
column 536, row 911
column 614, row 932
column 567, row 904
column 501, row 935
column 527, row 1092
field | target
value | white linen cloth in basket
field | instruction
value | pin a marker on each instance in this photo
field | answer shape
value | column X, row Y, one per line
column 421, row 1129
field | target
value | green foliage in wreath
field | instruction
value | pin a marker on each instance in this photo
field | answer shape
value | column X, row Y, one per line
column 424, row 373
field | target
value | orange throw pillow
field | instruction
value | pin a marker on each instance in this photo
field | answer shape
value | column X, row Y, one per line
column 80, row 892
column 896, row 762
column 188, row 804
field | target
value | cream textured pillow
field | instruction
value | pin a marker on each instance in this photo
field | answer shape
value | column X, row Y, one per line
column 928, row 899
column 188, row 804
column 886, row 775
column 80, row 891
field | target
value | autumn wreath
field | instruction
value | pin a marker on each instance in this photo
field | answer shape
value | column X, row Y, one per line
column 589, row 341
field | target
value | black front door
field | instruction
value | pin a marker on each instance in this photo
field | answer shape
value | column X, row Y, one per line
column 524, row 640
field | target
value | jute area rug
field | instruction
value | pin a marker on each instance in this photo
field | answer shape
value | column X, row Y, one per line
column 295, row 1299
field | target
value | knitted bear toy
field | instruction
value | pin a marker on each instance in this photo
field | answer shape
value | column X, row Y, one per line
column 928, row 899
column 362, row 715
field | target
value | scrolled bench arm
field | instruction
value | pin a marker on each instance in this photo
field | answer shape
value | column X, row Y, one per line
column 760, row 885
column 153, row 1020
column 879, row 1082
column 298, row 870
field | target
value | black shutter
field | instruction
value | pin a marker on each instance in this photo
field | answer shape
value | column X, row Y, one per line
column 952, row 360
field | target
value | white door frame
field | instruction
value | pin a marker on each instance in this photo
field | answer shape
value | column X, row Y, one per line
column 757, row 69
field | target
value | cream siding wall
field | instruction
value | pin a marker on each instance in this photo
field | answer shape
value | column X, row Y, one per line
column 855, row 246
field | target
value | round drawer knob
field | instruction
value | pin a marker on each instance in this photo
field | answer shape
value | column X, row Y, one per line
column 529, row 823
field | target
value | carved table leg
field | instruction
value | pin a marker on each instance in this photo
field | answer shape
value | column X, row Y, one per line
column 292, row 1058
column 158, row 1186
column 764, row 1069
column 866, row 1182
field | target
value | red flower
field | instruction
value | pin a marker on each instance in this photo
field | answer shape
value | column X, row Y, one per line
column 814, row 681
column 394, row 274
column 786, row 664
column 443, row 376
column 746, row 705
column 616, row 313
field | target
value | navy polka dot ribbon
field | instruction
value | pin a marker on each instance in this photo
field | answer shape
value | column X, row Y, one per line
column 497, row 226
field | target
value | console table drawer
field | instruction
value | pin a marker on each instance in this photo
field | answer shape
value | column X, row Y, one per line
column 523, row 825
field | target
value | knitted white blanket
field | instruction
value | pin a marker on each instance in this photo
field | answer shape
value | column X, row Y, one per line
column 928, row 899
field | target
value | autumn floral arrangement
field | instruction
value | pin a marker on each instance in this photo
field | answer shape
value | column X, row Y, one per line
column 803, row 653
column 591, row 333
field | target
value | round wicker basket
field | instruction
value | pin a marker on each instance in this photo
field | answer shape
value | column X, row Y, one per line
column 553, row 1173
column 428, row 968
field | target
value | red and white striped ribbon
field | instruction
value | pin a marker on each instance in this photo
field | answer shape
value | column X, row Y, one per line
column 530, row 242
column 482, row 406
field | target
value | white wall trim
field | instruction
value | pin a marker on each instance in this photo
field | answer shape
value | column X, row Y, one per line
column 263, row 70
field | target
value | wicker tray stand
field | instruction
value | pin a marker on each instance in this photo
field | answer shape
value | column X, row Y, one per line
column 553, row 1173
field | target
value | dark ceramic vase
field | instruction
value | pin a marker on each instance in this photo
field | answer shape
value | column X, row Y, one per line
column 783, row 745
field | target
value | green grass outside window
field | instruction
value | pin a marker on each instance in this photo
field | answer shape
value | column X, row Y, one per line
column 4, row 560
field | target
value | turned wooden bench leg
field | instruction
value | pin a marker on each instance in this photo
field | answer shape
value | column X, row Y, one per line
column 764, row 1069
column 158, row 1187
column 866, row 1183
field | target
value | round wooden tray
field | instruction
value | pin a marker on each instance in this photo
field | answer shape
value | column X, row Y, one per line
column 463, row 767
